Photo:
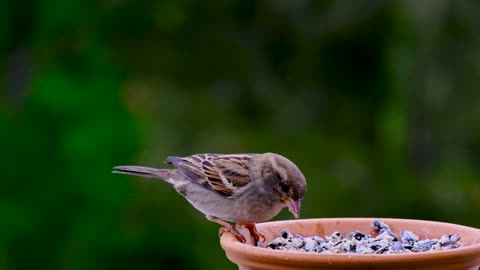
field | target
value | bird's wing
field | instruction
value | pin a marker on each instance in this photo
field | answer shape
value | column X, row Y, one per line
column 220, row 173
column 233, row 169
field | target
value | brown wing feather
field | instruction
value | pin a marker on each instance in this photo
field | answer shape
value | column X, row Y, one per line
column 220, row 173
column 234, row 168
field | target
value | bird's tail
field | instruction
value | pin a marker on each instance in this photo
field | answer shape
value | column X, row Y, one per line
column 148, row 172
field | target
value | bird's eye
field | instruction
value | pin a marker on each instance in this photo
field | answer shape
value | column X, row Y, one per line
column 285, row 187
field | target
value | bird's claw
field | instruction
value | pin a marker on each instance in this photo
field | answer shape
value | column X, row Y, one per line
column 257, row 237
column 234, row 231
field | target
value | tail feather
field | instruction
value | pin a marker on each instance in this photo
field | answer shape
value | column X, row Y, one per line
column 148, row 172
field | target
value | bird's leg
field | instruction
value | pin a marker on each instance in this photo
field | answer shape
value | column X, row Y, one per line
column 253, row 231
column 227, row 227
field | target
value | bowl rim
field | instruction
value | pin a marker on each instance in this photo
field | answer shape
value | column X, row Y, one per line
column 231, row 245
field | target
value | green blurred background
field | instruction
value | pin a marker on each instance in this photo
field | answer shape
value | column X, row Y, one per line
column 377, row 102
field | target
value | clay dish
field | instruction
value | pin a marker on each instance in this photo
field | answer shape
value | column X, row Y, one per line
column 250, row 257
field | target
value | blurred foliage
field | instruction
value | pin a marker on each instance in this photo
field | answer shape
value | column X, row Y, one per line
column 376, row 101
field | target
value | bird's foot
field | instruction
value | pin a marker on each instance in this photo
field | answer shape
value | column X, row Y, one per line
column 227, row 227
column 233, row 230
column 253, row 231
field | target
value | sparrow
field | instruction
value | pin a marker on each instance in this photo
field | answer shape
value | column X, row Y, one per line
column 240, row 188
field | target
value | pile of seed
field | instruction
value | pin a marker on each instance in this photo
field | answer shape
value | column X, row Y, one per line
column 386, row 242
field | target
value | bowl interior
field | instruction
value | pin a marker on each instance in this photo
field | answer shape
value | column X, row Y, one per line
column 324, row 227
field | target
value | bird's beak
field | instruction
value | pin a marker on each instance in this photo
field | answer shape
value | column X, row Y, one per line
column 293, row 206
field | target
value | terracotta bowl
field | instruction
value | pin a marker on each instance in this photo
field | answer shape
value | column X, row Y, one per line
column 250, row 257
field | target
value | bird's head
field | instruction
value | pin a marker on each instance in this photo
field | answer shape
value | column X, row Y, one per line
column 286, row 180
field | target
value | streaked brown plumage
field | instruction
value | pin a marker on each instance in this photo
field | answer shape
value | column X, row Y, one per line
column 242, row 188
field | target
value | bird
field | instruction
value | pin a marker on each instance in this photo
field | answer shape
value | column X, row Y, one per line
column 240, row 188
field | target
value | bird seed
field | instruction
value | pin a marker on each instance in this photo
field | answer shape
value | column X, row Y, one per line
column 386, row 242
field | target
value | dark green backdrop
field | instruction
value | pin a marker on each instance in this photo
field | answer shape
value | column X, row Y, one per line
column 377, row 102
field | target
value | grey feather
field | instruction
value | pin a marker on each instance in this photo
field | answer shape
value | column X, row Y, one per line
column 148, row 172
